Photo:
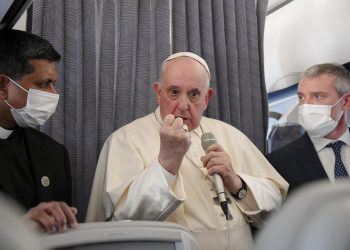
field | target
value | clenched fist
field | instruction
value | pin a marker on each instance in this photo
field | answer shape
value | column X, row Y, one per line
column 174, row 143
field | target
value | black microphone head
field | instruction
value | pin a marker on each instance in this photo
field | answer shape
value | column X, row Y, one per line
column 207, row 139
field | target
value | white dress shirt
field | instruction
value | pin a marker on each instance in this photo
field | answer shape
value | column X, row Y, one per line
column 327, row 156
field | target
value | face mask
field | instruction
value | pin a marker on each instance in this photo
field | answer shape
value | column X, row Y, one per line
column 316, row 119
column 40, row 106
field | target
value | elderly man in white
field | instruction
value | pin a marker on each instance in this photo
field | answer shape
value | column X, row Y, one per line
column 156, row 169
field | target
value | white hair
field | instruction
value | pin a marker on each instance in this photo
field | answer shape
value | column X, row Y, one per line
column 190, row 55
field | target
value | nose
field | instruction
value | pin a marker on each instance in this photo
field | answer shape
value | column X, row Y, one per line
column 51, row 89
column 183, row 102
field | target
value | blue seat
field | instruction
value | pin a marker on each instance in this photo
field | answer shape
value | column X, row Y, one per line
column 286, row 130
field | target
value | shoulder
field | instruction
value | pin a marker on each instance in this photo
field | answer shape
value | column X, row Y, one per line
column 36, row 136
column 288, row 151
column 139, row 123
column 141, row 127
column 232, row 139
column 217, row 126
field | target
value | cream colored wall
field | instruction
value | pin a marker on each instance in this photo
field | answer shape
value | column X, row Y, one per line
column 303, row 33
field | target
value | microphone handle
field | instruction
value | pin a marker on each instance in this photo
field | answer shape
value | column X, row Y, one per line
column 219, row 185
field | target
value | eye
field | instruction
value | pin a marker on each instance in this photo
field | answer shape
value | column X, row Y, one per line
column 173, row 93
column 42, row 85
column 319, row 97
column 45, row 85
column 301, row 99
column 194, row 95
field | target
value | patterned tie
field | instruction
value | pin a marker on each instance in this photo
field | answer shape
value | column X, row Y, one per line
column 339, row 168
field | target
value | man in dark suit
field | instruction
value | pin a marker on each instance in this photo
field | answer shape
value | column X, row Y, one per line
column 34, row 169
column 324, row 150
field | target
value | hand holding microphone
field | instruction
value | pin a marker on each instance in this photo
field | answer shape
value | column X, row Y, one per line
column 218, row 164
column 208, row 139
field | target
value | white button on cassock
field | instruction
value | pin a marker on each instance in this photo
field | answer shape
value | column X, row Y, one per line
column 45, row 181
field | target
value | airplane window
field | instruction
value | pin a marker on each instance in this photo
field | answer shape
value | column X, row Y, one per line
column 281, row 102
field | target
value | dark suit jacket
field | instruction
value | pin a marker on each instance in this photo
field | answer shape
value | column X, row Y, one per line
column 298, row 162
column 47, row 158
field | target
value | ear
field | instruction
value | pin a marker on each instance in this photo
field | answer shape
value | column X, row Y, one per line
column 156, row 89
column 4, row 81
column 210, row 94
column 347, row 101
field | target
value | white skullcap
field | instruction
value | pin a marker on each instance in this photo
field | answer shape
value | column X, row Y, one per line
column 191, row 55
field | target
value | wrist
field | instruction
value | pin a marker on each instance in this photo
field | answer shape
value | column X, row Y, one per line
column 171, row 166
column 242, row 191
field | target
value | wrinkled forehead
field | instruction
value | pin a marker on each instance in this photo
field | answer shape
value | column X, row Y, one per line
column 319, row 80
column 184, row 67
column 186, row 73
column 324, row 83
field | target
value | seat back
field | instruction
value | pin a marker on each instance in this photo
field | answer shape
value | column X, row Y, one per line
column 316, row 216
column 15, row 233
column 123, row 235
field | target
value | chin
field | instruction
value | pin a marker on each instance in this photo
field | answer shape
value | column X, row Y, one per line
column 192, row 127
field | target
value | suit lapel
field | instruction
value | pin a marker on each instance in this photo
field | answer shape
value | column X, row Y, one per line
column 39, row 158
column 309, row 160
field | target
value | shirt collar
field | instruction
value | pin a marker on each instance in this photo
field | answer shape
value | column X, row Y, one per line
column 321, row 143
column 4, row 133
column 198, row 131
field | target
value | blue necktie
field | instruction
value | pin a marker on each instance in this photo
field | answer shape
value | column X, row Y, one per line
column 339, row 168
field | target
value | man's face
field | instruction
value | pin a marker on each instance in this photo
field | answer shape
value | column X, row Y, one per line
column 320, row 90
column 183, row 91
column 43, row 78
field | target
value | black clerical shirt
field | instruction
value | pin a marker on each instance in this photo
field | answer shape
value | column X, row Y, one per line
column 34, row 168
column 15, row 165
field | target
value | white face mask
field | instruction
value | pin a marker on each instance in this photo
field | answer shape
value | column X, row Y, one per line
column 40, row 106
column 316, row 119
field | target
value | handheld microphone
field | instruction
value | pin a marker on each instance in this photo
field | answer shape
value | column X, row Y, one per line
column 208, row 139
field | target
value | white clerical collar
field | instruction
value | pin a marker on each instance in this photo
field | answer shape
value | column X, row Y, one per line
column 321, row 143
column 4, row 133
column 198, row 131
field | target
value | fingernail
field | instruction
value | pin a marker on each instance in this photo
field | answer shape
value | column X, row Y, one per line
column 73, row 224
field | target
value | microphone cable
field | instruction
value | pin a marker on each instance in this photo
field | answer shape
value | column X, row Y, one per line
column 224, row 208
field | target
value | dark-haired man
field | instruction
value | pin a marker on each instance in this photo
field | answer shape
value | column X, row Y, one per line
column 35, row 169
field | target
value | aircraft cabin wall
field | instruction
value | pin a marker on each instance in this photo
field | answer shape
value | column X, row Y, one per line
column 303, row 33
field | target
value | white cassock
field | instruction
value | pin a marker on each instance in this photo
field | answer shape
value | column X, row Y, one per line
column 130, row 184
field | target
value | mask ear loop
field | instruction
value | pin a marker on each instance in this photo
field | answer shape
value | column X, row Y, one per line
column 11, row 80
column 347, row 112
column 342, row 111
column 9, row 104
column 17, row 84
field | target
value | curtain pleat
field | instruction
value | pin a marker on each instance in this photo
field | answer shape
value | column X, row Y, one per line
column 229, row 36
column 111, row 55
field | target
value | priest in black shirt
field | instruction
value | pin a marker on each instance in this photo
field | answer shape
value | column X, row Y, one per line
column 34, row 168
